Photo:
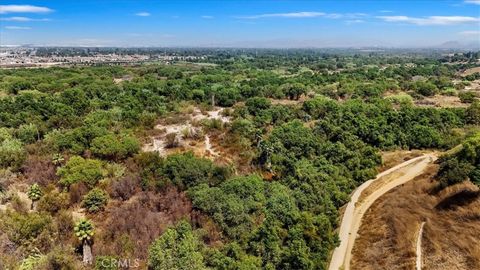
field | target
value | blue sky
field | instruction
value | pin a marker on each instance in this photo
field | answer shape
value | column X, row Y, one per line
column 243, row 23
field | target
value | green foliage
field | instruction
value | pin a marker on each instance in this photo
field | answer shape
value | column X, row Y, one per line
column 34, row 192
column 472, row 114
column 31, row 262
column 452, row 171
column 12, row 154
column 78, row 169
column 295, row 90
column 425, row 88
column 462, row 165
column 27, row 133
column 257, row 104
column 186, row 170
column 234, row 204
column 53, row 201
column 95, row 200
column 84, row 230
column 467, row 97
column 115, row 147
column 177, row 248
column 24, row 227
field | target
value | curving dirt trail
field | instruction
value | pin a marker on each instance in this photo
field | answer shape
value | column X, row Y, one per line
column 354, row 211
column 419, row 247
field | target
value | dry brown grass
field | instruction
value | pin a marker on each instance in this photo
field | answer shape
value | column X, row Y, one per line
column 387, row 236
column 395, row 157
column 470, row 71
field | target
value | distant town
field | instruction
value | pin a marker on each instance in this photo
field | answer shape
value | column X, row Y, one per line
column 11, row 57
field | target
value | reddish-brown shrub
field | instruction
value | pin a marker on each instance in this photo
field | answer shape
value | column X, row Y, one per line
column 77, row 191
column 125, row 187
column 39, row 169
column 128, row 228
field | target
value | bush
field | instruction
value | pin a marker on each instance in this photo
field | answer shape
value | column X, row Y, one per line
column 12, row 154
column 171, row 140
column 27, row 133
column 472, row 113
column 125, row 187
column 53, row 201
column 257, row 104
column 452, row 171
column 467, row 97
column 78, row 169
column 177, row 248
column 425, row 88
column 24, row 227
column 115, row 147
column 95, row 200
column 186, row 170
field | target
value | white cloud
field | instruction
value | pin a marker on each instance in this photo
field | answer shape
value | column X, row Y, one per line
column 432, row 20
column 143, row 14
column 475, row 2
column 23, row 9
column 354, row 21
column 304, row 14
column 17, row 28
column 207, row 17
column 23, row 19
column 470, row 33
column 385, row 11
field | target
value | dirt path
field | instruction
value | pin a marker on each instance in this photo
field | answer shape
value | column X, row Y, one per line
column 419, row 247
column 353, row 214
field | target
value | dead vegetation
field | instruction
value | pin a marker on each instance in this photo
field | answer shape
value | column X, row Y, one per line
column 387, row 237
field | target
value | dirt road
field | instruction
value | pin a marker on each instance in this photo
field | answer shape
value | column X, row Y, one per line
column 353, row 214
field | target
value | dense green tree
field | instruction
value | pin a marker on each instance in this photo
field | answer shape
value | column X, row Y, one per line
column 177, row 248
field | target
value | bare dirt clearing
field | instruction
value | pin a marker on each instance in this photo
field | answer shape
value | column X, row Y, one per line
column 470, row 71
column 187, row 135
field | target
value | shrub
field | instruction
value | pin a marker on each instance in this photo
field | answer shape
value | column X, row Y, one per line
column 467, row 97
column 78, row 169
column 115, row 147
column 95, row 200
column 12, row 154
column 27, row 133
column 452, row 171
column 125, row 187
column 472, row 113
column 186, row 170
column 53, row 201
column 24, row 227
column 171, row 140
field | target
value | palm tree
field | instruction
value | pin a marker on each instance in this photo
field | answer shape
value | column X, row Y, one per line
column 84, row 232
column 34, row 193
